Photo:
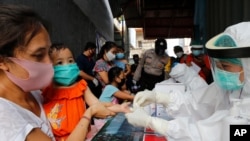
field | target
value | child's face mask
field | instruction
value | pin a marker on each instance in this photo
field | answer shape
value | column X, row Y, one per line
column 66, row 74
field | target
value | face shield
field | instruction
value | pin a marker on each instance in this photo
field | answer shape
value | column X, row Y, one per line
column 228, row 73
column 229, row 56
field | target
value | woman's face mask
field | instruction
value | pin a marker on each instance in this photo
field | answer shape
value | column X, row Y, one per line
column 228, row 80
column 40, row 75
column 120, row 55
column 110, row 56
column 66, row 74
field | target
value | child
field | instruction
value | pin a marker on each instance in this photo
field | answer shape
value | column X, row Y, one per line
column 121, row 61
column 111, row 93
column 65, row 98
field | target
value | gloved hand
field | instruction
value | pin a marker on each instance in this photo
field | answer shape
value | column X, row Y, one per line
column 134, row 82
column 95, row 81
column 140, row 118
column 146, row 97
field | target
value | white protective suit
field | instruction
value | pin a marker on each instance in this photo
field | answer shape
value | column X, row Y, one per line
column 205, row 114
column 188, row 76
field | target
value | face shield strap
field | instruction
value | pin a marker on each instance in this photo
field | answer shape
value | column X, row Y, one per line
column 237, row 52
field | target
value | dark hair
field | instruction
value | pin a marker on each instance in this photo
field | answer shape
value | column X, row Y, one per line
column 135, row 56
column 121, row 48
column 89, row 45
column 106, row 47
column 160, row 43
column 18, row 25
column 57, row 47
column 114, row 72
column 178, row 49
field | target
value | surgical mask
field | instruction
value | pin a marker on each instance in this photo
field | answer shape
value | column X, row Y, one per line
column 110, row 56
column 196, row 52
column 179, row 54
column 40, row 75
column 120, row 55
column 66, row 74
column 228, row 80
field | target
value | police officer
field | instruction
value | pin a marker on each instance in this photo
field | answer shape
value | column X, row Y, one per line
column 151, row 68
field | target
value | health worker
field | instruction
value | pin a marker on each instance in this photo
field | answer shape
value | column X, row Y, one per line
column 205, row 114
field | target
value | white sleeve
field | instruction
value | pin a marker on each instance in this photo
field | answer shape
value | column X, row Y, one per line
column 180, row 104
column 186, row 129
column 200, row 103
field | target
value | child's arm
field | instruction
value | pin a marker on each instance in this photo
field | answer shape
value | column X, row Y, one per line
column 89, row 97
column 124, row 95
column 124, row 108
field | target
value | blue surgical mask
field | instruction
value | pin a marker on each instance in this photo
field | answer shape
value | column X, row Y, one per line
column 196, row 52
column 66, row 74
column 120, row 55
column 228, row 80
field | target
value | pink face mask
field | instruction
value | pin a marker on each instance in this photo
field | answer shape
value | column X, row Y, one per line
column 40, row 75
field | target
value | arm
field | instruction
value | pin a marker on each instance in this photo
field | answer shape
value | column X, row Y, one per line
column 127, row 67
column 81, row 129
column 104, row 76
column 89, row 97
column 101, row 68
column 123, row 95
column 91, row 100
column 124, row 107
column 137, row 74
column 37, row 135
column 85, row 76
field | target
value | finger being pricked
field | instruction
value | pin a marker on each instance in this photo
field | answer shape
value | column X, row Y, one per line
column 102, row 111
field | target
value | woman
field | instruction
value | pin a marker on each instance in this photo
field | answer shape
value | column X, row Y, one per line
column 25, row 67
column 122, row 62
column 105, row 62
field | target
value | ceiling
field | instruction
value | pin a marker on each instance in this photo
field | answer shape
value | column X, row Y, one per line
column 158, row 18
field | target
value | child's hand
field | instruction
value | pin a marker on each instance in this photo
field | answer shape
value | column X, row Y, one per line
column 124, row 107
column 101, row 110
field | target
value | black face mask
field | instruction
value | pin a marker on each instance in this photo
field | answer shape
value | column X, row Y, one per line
column 121, row 83
column 160, row 46
column 136, row 60
column 160, row 51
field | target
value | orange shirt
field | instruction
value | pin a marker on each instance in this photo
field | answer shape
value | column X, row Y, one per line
column 64, row 108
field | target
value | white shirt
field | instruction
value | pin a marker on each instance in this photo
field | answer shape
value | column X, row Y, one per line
column 17, row 122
